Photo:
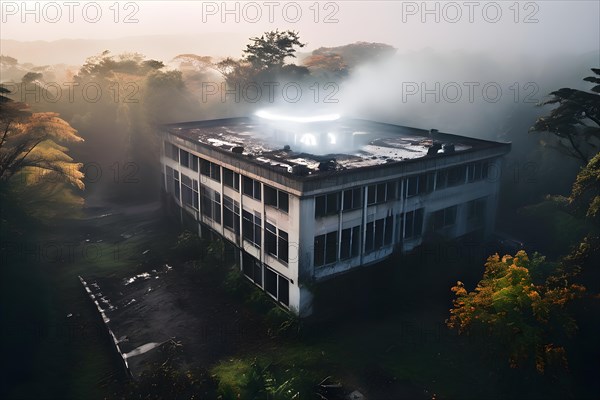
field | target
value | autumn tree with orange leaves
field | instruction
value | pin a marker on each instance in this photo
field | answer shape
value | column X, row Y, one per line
column 34, row 165
column 522, row 303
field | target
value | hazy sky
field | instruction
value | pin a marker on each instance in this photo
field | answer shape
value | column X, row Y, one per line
column 539, row 27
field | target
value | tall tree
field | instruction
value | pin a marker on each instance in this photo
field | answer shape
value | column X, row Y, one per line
column 272, row 48
column 576, row 121
column 264, row 59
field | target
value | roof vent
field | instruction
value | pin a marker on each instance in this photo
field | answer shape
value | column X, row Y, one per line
column 328, row 165
column 448, row 148
column 237, row 149
column 299, row 169
column 435, row 147
column 433, row 131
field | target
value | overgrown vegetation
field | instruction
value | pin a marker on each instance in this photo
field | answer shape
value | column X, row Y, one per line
column 521, row 307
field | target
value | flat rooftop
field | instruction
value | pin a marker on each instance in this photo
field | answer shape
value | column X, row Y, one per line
column 311, row 148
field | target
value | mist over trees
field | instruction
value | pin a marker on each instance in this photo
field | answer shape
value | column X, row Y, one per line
column 117, row 100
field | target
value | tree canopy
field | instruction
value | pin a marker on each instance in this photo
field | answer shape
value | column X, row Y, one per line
column 576, row 120
column 31, row 142
column 522, row 303
column 272, row 48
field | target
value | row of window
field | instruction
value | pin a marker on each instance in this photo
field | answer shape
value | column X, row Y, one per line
column 189, row 192
column 378, row 234
column 352, row 199
column 276, row 240
column 250, row 187
column 277, row 286
column 211, row 203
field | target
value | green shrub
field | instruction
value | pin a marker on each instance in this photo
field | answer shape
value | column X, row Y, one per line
column 283, row 323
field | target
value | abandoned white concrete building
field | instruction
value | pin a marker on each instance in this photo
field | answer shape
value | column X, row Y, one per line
column 302, row 200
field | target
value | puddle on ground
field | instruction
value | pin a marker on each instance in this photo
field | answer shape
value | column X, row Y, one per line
column 141, row 350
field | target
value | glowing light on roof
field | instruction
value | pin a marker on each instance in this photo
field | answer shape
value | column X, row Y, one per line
column 315, row 118
column 331, row 137
column 309, row 139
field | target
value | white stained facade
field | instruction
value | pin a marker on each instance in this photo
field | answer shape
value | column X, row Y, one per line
column 292, row 230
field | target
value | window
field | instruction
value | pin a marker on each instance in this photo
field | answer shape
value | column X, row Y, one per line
column 379, row 234
column 251, row 227
column 388, row 231
column 189, row 192
column 210, row 169
column 476, row 210
column 369, row 238
column 277, row 286
column 251, row 188
column 231, row 214
column 456, row 175
column 352, row 199
column 276, row 198
column 231, row 179
column 477, row 171
column 444, row 218
column 252, row 268
column 176, row 187
column 451, row 177
column 170, row 185
column 381, row 193
column 271, row 282
column 184, row 157
column 211, row 203
column 420, row 184
column 283, row 291
column 414, row 223
column 327, row 204
column 350, row 243
column 171, row 151
column 188, row 160
column 441, row 181
column 276, row 242
column 325, row 249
